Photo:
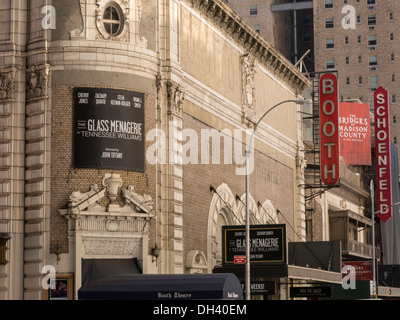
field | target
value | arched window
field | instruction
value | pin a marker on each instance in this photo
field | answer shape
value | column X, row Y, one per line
column 113, row 19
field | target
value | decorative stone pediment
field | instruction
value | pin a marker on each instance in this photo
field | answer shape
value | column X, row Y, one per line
column 89, row 204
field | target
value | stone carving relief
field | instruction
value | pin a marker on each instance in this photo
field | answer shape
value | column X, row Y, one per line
column 77, row 33
column 301, row 163
column 175, row 99
column 37, row 78
column 248, row 89
column 109, row 247
column 196, row 262
column 83, row 203
column 7, row 78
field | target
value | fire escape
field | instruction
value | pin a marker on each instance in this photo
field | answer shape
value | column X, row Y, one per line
column 313, row 184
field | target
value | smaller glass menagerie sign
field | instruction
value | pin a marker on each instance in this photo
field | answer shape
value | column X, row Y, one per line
column 267, row 244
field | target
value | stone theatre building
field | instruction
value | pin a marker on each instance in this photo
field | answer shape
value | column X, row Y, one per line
column 99, row 115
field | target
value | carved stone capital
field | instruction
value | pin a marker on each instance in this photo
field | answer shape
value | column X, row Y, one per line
column 37, row 78
column 7, row 79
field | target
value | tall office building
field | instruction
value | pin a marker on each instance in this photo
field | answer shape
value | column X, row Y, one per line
column 287, row 25
column 362, row 45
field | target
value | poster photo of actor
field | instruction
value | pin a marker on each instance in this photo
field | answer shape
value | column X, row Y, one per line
column 60, row 292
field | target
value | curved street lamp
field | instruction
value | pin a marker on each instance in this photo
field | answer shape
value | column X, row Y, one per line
column 247, row 264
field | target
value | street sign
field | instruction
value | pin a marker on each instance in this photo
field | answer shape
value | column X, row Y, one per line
column 261, row 288
column 310, row 292
column 239, row 259
column 382, row 154
column 329, row 128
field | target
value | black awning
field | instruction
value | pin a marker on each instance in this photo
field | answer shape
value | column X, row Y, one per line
column 130, row 286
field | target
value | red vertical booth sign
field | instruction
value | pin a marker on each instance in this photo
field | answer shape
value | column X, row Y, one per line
column 382, row 154
column 329, row 128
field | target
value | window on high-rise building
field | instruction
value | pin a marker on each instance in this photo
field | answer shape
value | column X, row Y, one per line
column 370, row 1
column 372, row 40
column 330, row 43
column 391, row 16
column 329, row 23
column 393, row 78
column 373, row 60
column 371, row 20
column 391, row 36
column 328, row 4
column 257, row 28
column 392, row 57
column 253, row 10
column 330, row 63
column 373, row 81
column 358, row 39
column 359, row 80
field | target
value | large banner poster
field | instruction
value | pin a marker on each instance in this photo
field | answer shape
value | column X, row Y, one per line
column 355, row 133
column 108, row 129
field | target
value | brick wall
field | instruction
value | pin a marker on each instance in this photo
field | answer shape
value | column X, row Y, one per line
column 270, row 180
column 65, row 179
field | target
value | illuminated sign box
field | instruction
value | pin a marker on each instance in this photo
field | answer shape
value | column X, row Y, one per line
column 267, row 244
column 329, row 128
column 382, row 154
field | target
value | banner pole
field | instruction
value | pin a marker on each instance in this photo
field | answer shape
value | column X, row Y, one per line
column 374, row 295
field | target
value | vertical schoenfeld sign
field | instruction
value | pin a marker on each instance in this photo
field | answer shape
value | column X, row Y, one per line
column 108, row 129
column 382, row 154
column 329, row 128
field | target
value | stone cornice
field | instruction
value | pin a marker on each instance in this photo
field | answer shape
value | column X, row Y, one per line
column 223, row 17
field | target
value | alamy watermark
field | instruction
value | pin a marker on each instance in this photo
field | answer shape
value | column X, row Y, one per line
column 49, row 20
column 49, row 278
column 186, row 146
column 350, row 19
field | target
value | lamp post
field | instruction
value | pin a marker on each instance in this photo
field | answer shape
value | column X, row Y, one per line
column 247, row 263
